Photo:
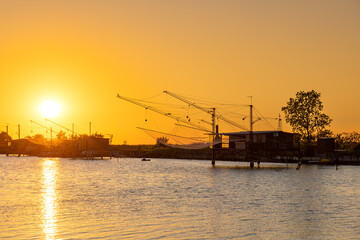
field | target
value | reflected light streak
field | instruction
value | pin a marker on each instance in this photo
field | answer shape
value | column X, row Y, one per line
column 49, row 198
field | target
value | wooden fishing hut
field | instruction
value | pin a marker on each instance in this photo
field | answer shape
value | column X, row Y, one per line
column 85, row 147
column 262, row 140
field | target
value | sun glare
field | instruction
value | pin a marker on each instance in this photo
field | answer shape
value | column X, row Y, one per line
column 50, row 109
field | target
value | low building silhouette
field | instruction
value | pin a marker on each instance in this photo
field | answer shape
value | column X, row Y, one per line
column 325, row 145
column 84, row 147
column 262, row 140
column 25, row 147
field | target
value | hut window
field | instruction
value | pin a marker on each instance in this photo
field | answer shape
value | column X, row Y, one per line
column 259, row 138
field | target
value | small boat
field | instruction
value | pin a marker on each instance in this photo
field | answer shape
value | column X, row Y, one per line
column 146, row 159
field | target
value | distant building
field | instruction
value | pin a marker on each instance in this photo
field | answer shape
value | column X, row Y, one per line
column 85, row 147
column 4, row 146
column 25, row 146
column 262, row 140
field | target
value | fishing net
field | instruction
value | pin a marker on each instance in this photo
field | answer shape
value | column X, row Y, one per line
column 183, row 137
column 199, row 116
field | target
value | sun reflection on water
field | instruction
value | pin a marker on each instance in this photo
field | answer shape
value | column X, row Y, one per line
column 49, row 198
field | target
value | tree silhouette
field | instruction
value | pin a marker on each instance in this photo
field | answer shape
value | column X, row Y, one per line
column 162, row 141
column 347, row 141
column 37, row 138
column 61, row 135
column 304, row 115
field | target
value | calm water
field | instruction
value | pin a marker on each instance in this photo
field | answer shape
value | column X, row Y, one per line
column 44, row 198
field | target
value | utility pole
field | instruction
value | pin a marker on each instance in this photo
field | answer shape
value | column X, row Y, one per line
column 279, row 123
column 18, row 131
column 213, row 115
column 251, row 135
column 72, row 135
column 8, row 143
column 251, row 121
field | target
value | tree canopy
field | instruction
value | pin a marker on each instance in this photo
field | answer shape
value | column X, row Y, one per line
column 37, row 138
column 61, row 135
column 348, row 141
column 162, row 141
column 304, row 114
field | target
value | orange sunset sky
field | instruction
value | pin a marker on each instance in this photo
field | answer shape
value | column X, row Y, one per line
column 82, row 53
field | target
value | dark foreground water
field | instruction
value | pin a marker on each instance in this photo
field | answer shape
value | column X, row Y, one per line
column 43, row 198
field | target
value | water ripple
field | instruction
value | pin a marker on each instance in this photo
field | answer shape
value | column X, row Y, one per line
column 175, row 199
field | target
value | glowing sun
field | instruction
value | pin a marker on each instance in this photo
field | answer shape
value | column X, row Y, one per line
column 50, row 109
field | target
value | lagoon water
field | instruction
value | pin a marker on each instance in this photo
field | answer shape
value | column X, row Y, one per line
column 44, row 198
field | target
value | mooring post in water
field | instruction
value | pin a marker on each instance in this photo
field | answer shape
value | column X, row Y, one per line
column 299, row 163
column 251, row 164
column 336, row 162
column 213, row 156
column 299, row 154
column 19, row 140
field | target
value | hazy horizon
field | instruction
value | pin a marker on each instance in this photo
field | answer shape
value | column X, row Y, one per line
column 82, row 53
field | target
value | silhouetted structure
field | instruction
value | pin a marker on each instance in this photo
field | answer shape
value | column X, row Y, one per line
column 262, row 140
column 85, row 147
column 81, row 147
column 25, row 147
column 325, row 145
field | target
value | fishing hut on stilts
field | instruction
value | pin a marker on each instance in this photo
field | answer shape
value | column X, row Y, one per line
column 244, row 148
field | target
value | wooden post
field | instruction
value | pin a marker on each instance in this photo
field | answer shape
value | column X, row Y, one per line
column 7, row 142
column 213, row 156
column 90, row 150
column 72, row 135
column 213, row 136
column 251, row 136
column 19, row 140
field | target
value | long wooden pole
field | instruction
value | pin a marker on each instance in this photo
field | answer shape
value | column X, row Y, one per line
column 213, row 136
